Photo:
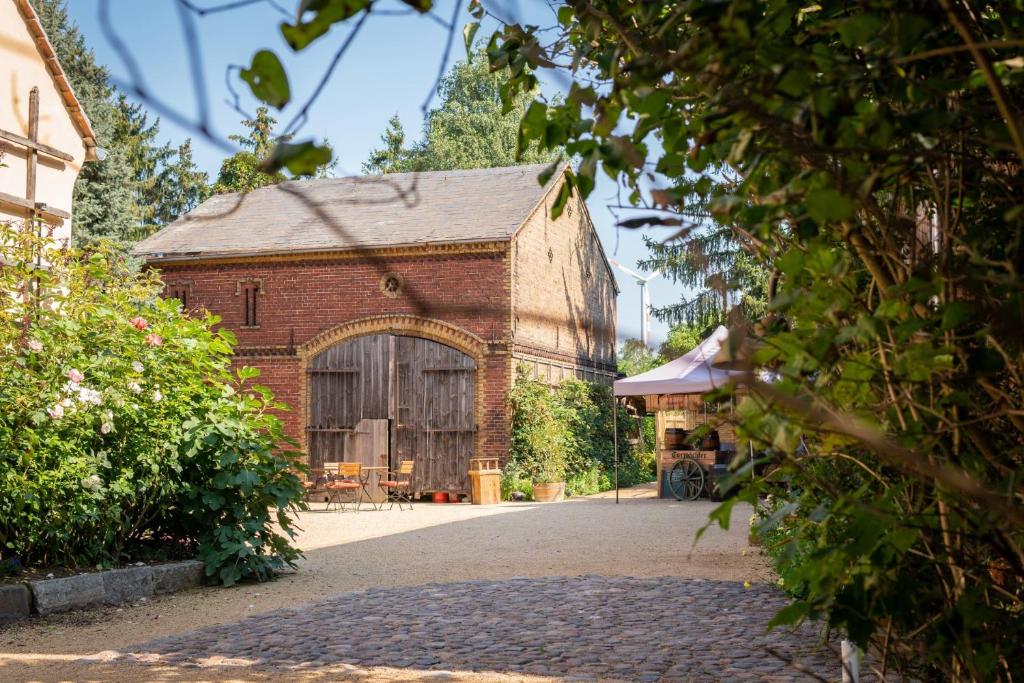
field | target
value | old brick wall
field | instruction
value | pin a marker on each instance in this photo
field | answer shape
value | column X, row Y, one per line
column 563, row 295
column 299, row 299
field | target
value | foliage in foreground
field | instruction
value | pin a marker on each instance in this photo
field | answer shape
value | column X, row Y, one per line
column 565, row 433
column 123, row 435
column 867, row 156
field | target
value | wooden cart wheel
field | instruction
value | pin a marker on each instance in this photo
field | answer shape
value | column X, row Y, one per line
column 686, row 480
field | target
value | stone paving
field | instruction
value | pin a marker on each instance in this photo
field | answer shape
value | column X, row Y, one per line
column 577, row 628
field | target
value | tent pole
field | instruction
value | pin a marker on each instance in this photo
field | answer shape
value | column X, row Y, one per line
column 615, row 441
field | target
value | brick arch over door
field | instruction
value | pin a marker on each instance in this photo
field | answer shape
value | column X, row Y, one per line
column 422, row 375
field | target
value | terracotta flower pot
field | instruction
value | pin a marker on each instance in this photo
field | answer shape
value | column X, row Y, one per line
column 440, row 497
column 549, row 493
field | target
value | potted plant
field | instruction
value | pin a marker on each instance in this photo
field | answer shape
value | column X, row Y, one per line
column 538, row 452
column 548, row 470
column 549, row 483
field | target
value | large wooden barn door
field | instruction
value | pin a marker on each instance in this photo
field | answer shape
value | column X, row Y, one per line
column 348, row 384
column 425, row 389
column 436, row 426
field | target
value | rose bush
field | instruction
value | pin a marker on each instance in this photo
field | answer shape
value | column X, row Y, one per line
column 123, row 434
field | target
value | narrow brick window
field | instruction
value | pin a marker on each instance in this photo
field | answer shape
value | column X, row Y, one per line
column 181, row 294
column 182, row 291
column 248, row 292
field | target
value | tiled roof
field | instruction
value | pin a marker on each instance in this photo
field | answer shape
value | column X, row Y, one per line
column 335, row 214
column 71, row 103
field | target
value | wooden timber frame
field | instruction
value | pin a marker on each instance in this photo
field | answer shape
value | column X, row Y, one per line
column 387, row 338
column 33, row 148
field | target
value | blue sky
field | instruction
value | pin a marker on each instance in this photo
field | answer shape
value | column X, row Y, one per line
column 389, row 68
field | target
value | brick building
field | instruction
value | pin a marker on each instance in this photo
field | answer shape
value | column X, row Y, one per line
column 391, row 311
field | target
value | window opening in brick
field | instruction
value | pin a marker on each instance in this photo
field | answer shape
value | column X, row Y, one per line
column 250, row 313
column 180, row 292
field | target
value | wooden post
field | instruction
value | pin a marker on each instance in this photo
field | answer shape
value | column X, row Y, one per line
column 659, row 445
column 615, row 440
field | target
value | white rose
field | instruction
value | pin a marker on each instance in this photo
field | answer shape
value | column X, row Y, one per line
column 92, row 482
column 135, row 387
column 157, row 396
column 137, row 366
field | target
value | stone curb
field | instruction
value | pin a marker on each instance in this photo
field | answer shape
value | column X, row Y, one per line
column 15, row 602
column 113, row 586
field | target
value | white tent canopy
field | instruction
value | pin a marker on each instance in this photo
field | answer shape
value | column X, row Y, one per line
column 689, row 374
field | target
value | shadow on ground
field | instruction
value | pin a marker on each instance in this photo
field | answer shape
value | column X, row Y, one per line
column 638, row 629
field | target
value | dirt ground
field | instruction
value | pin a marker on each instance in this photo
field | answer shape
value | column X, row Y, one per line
column 641, row 536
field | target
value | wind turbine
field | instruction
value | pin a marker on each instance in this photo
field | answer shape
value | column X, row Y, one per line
column 645, row 298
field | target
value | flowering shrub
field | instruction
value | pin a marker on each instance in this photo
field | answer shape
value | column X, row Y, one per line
column 123, row 434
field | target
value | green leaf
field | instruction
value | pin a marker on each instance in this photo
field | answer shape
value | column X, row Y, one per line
column 828, row 205
column 267, row 79
column 326, row 14
column 790, row 614
column 303, row 158
column 468, row 33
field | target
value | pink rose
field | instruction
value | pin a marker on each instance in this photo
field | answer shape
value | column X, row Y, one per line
column 154, row 339
column 75, row 376
column 139, row 323
column 56, row 412
column 34, row 346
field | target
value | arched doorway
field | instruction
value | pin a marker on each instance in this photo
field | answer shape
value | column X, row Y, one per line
column 382, row 398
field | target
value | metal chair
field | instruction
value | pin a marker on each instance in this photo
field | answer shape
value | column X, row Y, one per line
column 347, row 479
column 398, row 485
column 317, row 481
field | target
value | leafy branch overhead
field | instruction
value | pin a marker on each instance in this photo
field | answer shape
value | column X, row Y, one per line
column 856, row 167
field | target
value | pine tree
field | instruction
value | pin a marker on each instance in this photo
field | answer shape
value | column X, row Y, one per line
column 119, row 198
column 392, row 157
column 184, row 186
column 243, row 170
column 708, row 261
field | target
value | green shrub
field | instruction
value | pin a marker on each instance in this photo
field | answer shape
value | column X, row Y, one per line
column 539, row 440
column 123, row 434
column 577, row 417
column 513, row 480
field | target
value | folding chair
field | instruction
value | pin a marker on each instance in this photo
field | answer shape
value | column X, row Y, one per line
column 398, row 485
column 317, row 481
column 347, row 479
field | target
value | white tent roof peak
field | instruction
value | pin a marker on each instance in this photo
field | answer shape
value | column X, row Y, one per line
column 691, row 373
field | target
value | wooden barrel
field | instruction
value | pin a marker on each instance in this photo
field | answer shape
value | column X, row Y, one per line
column 675, row 438
column 711, row 442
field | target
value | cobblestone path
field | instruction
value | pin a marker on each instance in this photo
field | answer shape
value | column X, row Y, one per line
column 581, row 628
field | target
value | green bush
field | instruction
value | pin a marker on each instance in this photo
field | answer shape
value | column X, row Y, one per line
column 123, row 435
column 514, row 480
column 576, row 417
column 540, row 441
